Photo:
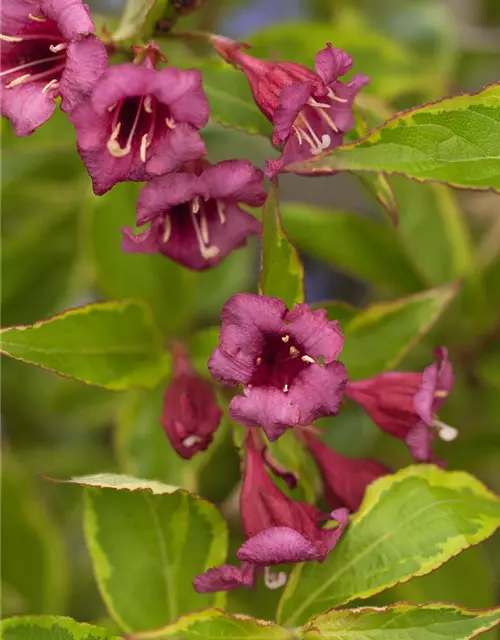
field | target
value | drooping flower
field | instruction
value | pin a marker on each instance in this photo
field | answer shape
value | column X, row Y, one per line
column 190, row 414
column 47, row 52
column 405, row 404
column 344, row 479
column 194, row 214
column 140, row 122
column 310, row 111
column 285, row 360
column 278, row 531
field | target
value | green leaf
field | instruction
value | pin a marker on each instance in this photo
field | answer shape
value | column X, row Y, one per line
column 33, row 562
column 148, row 541
column 231, row 100
column 51, row 628
column 409, row 524
column 294, row 456
column 363, row 248
column 139, row 18
column 168, row 287
column 434, row 621
column 282, row 273
column 213, row 624
column 114, row 345
column 456, row 141
column 378, row 337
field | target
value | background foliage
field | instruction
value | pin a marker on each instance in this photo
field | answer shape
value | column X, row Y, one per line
column 433, row 280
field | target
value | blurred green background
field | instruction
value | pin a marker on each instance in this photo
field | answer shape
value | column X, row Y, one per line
column 61, row 248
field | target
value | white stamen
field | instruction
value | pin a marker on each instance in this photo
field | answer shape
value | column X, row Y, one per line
column 170, row 123
column 307, row 359
column 297, row 133
column 445, row 432
column 259, row 360
column 112, row 107
column 313, row 103
column 220, row 211
column 58, row 47
column 36, row 18
column 294, row 352
column 274, row 579
column 440, row 393
column 148, row 105
column 209, row 251
column 168, row 229
column 144, row 146
column 332, row 96
column 53, row 84
column 28, row 65
column 190, row 441
column 113, row 146
column 204, row 229
column 11, row 38
column 18, row 80
column 285, row 338
column 195, row 204
column 285, row 389
column 316, row 145
column 328, row 120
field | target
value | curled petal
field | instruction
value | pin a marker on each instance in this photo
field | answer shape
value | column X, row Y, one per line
column 292, row 99
column 419, row 440
column 236, row 180
column 331, row 536
column 121, row 81
column 318, row 391
column 72, row 17
column 332, row 63
column 277, row 545
column 27, row 107
column 315, row 333
column 266, row 407
column 86, row 61
column 146, row 242
column 162, row 193
column 183, row 92
column 225, row 578
column 436, row 383
column 170, row 151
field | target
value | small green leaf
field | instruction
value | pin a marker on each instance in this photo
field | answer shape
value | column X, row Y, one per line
column 282, row 273
column 366, row 249
column 231, row 101
column 213, row 624
column 378, row 337
column 148, row 541
column 409, row 524
column 33, row 561
column 139, row 18
column 434, row 621
column 114, row 345
column 455, row 140
column 51, row 628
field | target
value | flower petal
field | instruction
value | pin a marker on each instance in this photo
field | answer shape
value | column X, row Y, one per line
column 14, row 16
column 225, row 578
column 183, row 92
column 236, row 180
column 332, row 63
column 27, row 107
column 146, row 242
column 331, row 536
column 246, row 319
column 86, row 61
column 121, row 81
column 292, row 99
column 266, row 407
column 171, row 150
column 436, row 383
column 72, row 16
column 162, row 193
column 419, row 440
column 315, row 333
column 318, row 391
column 277, row 545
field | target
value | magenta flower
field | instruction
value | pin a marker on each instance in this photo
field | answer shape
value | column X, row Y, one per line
column 285, row 360
column 140, row 123
column 47, row 53
column 405, row 405
column 190, row 414
column 278, row 530
column 344, row 479
column 194, row 214
column 310, row 111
